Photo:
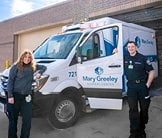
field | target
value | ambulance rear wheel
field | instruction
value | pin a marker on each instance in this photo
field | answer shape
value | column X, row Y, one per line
column 65, row 112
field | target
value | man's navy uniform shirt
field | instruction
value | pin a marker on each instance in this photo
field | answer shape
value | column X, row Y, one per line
column 136, row 67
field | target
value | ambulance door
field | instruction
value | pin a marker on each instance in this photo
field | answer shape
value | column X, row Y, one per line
column 100, row 70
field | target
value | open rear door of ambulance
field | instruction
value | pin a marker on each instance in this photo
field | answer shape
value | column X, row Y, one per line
column 100, row 71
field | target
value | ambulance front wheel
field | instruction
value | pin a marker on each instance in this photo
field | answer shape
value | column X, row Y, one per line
column 65, row 112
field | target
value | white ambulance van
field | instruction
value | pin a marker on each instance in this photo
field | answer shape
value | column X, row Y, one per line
column 82, row 69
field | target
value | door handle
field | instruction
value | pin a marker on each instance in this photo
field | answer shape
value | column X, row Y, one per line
column 114, row 66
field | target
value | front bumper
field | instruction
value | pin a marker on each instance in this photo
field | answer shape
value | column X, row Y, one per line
column 42, row 104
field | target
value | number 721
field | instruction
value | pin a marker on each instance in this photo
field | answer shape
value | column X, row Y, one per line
column 72, row 74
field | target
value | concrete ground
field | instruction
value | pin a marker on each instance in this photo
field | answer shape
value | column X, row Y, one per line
column 98, row 124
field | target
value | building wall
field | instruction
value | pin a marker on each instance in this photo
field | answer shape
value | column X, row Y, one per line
column 159, row 43
column 15, row 32
column 50, row 17
column 32, row 39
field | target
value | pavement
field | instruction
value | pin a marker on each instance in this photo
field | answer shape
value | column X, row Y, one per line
column 98, row 124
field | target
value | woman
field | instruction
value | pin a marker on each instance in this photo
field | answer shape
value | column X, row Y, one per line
column 20, row 93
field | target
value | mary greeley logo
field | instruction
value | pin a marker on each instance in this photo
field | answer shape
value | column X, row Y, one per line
column 99, row 78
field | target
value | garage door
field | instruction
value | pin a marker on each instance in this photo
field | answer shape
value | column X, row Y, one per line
column 32, row 39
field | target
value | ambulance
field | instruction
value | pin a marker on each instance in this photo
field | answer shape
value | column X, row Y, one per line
column 85, row 69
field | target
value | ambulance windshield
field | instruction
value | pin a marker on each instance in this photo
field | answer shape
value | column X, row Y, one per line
column 57, row 47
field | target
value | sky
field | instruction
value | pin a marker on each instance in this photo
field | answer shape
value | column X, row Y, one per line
column 13, row 8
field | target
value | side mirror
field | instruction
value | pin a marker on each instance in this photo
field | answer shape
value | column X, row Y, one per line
column 78, row 55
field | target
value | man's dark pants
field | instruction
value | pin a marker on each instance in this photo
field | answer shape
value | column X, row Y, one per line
column 138, row 97
column 23, row 107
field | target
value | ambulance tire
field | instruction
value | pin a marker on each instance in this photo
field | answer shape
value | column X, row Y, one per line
column 65, row 112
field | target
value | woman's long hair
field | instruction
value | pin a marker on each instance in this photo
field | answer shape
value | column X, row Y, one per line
column 20, row 63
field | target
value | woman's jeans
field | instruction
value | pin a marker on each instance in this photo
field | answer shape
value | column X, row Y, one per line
column 23, row 108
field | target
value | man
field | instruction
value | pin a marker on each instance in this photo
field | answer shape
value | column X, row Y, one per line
column 140, row 74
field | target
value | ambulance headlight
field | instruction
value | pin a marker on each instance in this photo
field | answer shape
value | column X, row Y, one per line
column 39, row 83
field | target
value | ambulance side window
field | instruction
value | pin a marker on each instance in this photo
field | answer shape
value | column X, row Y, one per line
column 110, row 36
column 91, row 48
column 100, row 44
